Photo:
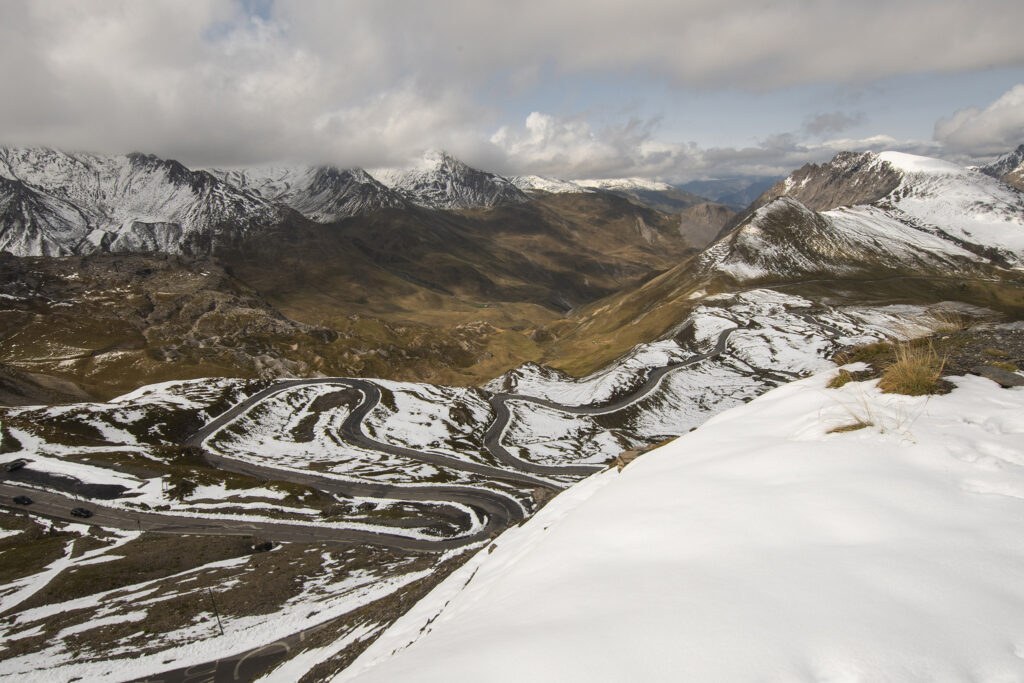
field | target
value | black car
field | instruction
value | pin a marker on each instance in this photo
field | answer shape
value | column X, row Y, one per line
column 22, row 500
column 81, row 512
column 14, row 465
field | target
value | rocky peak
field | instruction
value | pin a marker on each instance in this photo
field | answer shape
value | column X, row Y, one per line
column 1009, row 168
column 440, row 181
column 849, row 179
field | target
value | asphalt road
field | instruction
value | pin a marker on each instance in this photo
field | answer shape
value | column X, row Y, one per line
column 499, row 511
column 499, row 402
column 58, row 506
column 496, row 509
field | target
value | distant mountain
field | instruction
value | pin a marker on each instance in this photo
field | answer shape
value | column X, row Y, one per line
column 537, row 183
column 650, row 193
column 887, row 223
column 701, row 223
column 848, row 179
column 321, row 193
column 440, row 181
column 54, row 204
column 737, row 193
column 1009, row 168
column 868, row 211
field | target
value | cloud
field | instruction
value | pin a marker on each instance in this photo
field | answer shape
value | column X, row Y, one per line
column 550, row 145
column 223, row 81
column 571, row 148
column 979, row 133
column 832, row 122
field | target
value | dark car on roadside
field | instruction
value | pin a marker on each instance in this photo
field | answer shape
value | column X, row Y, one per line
column 22, row 500
column 81, row 512
column 14, row 465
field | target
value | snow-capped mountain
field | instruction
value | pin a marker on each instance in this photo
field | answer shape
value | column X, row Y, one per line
column 56, row 203
column 862, row 212
column 1009, row 168
column 539, row 183
column 320, row 193
column 440, row 181
column 556, row 185
column 643, row 191
column 625, row 184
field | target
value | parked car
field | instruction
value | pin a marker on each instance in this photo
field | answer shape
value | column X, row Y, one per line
column 14, row 465
column 22, row 500
column 81, row 512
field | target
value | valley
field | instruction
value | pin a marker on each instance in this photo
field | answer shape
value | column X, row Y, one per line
column 290, row 427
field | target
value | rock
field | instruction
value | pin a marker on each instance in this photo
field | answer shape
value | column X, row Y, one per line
column 1004, row 378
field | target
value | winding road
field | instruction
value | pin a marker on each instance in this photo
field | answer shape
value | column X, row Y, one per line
column 499, row 402
column 495, row 509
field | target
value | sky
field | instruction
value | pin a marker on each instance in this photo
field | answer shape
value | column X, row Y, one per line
column 675, row 90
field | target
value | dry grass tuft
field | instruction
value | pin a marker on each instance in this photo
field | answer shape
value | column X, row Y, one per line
column 841, row 379
column 868, row 353
column 915, row 371
column 859, row 424
column 1005, row 365
column 951, row 321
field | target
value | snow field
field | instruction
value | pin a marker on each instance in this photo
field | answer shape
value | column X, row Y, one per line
column 759, row 547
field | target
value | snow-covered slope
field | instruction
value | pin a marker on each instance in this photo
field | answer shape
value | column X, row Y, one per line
column 33, row 223
column 546, row 184
column 625, row 184
column 643, row 191
column 556, row 185
column 1009, row 168
column 440, row 181
column 871, row 212
column 759, row 547
column 320, row 193
column 58, row 204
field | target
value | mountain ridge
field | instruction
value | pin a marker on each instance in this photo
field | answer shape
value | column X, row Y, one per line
column 1009, row 168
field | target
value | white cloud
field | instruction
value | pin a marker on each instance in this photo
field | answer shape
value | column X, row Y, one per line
column 372, row 83
column 571, row 148
column 978, row 133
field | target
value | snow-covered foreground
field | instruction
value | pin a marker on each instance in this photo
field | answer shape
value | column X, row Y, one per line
column 759, row 547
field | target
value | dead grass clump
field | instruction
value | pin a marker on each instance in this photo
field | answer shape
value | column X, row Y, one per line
column 951, row 321
column 842, row 379
column 864, row 354
column 994, row 352
column 1005, row 365
column 915, row 371
column 859, row 424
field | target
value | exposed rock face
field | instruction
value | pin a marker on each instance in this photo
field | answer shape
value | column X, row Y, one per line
column 34, row 223
column 699, row 224
column 849, row 179
column 324, row 193
column 1009, row 168
column 907, row 214
column 54, row 203
column 441, row 181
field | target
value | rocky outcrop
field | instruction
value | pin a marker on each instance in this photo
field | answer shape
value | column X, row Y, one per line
column 321, row 193
column 847, row 180
column 440, row 181
column 699, row 224
column 1009, row 168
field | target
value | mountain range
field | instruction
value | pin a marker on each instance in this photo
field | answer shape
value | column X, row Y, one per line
column 387, row 268
column 1009, row 168
column 159, row 305
column 56, row 204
